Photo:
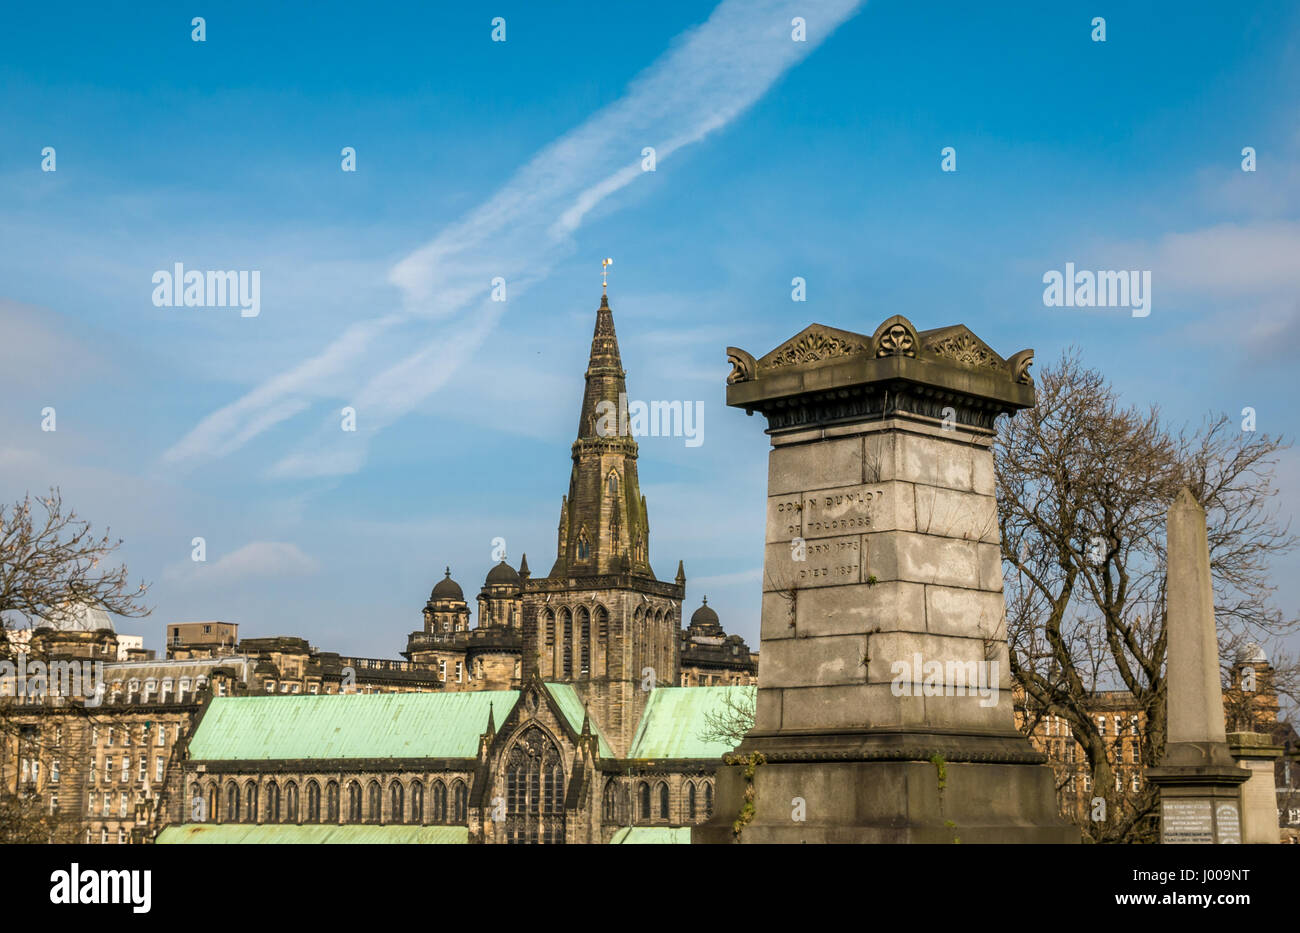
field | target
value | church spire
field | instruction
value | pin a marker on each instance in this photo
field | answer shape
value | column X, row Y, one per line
column 603, row 524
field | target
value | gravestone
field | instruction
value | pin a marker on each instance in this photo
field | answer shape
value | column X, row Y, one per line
column 1199, row 782
column 884, row 698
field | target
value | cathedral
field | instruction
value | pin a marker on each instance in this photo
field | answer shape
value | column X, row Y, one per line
column 600, row 620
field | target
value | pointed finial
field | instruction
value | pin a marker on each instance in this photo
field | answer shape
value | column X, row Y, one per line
column 449, row 573
column 492, row 724
column 706, row 600
column 604, row 273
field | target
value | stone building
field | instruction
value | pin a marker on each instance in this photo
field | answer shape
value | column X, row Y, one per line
column 600, row 621
column 1250, row 706
column 526, row 766
column 711, row 657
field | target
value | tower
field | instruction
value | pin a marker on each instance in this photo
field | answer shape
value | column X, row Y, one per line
column 600, row 619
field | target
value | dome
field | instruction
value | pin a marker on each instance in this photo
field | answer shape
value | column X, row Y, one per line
column 79, row 618
column 704, row 615
column 447, row 588
column 1252, row 654
column 503, row 573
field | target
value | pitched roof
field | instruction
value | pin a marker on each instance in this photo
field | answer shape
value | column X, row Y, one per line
column 311, row 834
column 374, row 725
column 570, row 704
column 674, row 721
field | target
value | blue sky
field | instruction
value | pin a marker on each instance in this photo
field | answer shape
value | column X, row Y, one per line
column 521, row 159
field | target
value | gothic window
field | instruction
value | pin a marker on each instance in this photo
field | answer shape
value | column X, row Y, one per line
column 376, row 801
column 690, row 802
column 354, row 802
column 439, row 802
column 459, row 802
column 602, row 635
column 214, row 798
column 584, row 549
column 313, row 802
column 396, row 805
column 291, row 802
column 643, row 802
column 250, row 799
column 566, row 622
column 272, row 803
column 232, row 803
column 534, row 790
column 332, row 802
column 584, row 632
column 609, row 804
column 550, row 628
column 611, row 484
column 417, row 802
column 708, row 799
column 663, row 801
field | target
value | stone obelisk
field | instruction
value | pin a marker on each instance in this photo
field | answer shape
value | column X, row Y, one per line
column 1199, row 782
column 884, row 698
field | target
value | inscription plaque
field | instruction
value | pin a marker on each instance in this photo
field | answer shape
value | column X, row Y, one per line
column 1187, row 821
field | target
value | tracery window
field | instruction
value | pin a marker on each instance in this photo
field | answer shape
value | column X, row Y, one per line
column 232, row 803
column 534, row 790
column 376, row 802
column 643, row 801
column 690, row 801
column 459, row 802
column 250, row 796
column 332, row 802
column 417, row 803
column 291, row 802
column 313, row 802
column 584, row 549
column 566, row 621
column 584, row 651
column 273, row 802
column 439, row 802
column 354, row 802
column 396, row 803
column 663, row 801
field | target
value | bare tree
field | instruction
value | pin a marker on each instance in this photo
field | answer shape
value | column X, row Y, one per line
column 731, row 721
column 1084, row 485
column 51, row 566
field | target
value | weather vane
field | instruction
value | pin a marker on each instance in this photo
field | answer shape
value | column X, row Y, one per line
column 604, row 272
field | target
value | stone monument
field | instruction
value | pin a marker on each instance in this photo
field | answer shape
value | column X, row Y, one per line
column 884, row 704
column 1199, row 782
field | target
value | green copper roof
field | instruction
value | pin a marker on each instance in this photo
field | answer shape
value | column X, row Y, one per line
column 570, row 704
column 674, row 721
column 313, row 834
column 652, row 835
column 356, row 725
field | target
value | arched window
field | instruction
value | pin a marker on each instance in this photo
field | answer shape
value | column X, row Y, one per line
column 459, row 802
column 584, row 651
column 708, row 799
column 313, row 802
column 602, row 638
column 584, row 549
column 376, row 802
column 214, row 799
column 611, row 483
column 417, row 803
column 232, row 803
column 663, row 801
column 332, row 802
column 643, row 801
column 690, row 801
column 439, row 814
column 534, row 790
column 548, row 618
column 354, row 802
column 609, row 804
column 272, row 802
column 396, row 802
column 566, row 623
column 291, row 802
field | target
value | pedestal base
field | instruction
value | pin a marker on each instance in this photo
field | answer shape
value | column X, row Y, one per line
column 889, row 801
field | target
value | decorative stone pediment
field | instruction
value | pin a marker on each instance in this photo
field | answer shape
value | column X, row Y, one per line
column 814, row 344
column 958, row 344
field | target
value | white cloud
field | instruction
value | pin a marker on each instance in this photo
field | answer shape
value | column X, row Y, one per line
column 710, row 75
column 255, row 560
